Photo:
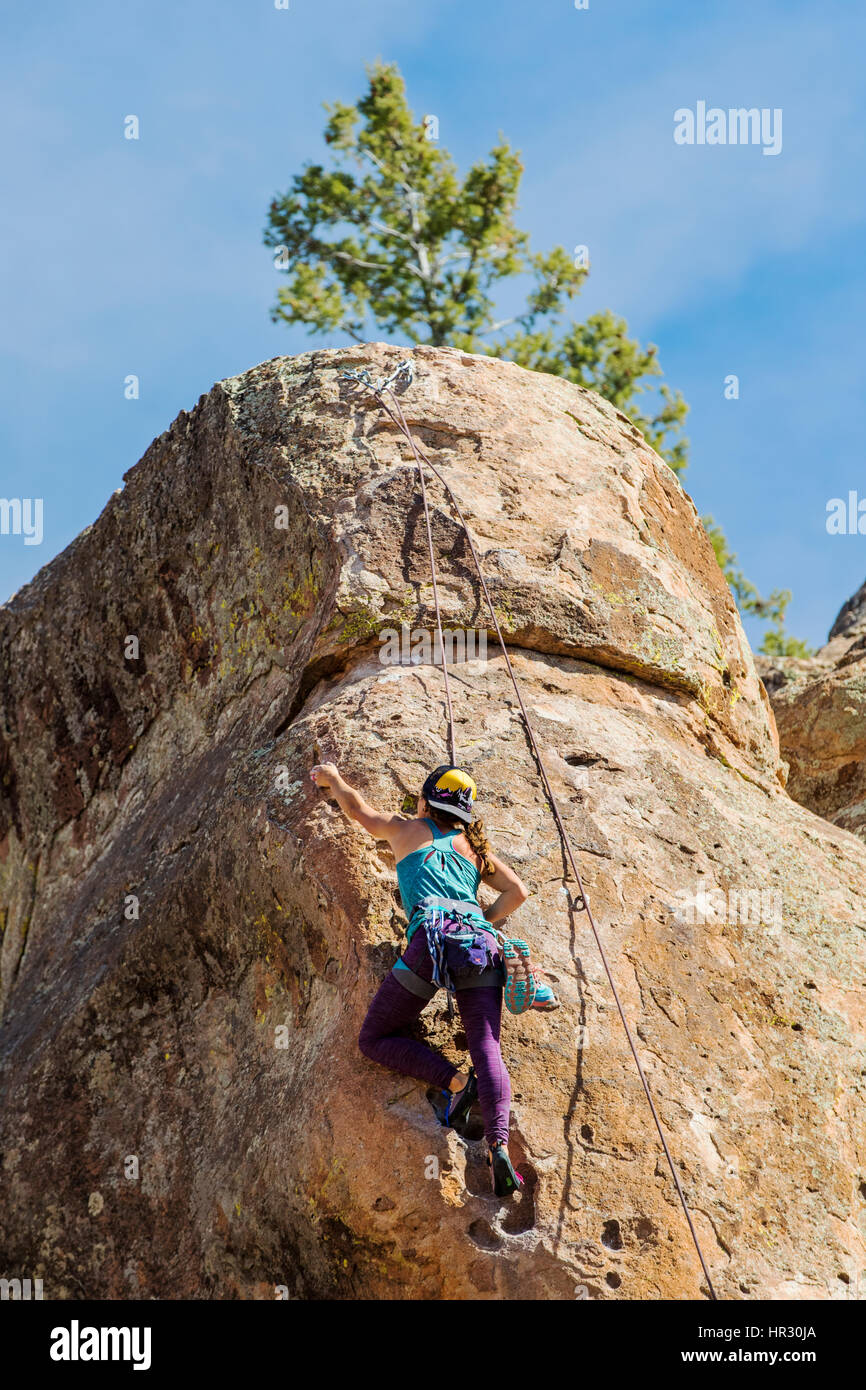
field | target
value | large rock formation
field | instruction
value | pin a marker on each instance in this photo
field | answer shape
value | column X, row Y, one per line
column 192, row 934
column 820, row 709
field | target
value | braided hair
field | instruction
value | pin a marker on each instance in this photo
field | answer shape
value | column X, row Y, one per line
column 474, row 832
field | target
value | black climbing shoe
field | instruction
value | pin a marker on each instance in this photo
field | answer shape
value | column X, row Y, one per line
column 506, row 1179
column 461, row 1102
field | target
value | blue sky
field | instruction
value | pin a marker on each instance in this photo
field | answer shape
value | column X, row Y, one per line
column 146, row 256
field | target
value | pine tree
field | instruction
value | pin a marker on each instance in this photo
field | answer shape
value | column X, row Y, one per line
column 390, row 238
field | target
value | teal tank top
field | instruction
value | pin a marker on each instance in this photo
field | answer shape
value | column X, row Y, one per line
column 438, row 871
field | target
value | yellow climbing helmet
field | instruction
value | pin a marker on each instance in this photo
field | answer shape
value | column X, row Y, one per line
column 452, row 790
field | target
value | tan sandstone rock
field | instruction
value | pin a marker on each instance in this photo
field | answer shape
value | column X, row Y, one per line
column 820, row 709
column 192, row 934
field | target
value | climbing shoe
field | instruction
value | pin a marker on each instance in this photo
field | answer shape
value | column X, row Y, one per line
column 521, row 984
column 545, row 1000
column 506, row 1179
column 459, row 1103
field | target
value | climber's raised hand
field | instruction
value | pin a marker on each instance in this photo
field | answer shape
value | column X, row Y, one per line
column 326, row 775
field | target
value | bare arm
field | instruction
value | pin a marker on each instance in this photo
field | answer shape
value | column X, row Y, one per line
column 512, row 891
column 353, row 804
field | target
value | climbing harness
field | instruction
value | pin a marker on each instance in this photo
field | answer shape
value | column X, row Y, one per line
column 457, row 948
column 448, row 926
column 405, row 373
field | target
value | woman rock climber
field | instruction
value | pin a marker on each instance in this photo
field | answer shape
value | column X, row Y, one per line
column 442, row 856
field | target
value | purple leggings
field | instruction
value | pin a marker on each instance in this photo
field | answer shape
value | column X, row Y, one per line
column 480, row 1010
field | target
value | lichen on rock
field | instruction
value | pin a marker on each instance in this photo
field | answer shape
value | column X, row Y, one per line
column 192, row 934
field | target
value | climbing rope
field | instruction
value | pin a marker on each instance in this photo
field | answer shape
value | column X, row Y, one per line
column 405, row 372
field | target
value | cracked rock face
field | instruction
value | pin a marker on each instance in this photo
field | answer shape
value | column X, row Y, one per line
column 192, row 934
column 820, row 709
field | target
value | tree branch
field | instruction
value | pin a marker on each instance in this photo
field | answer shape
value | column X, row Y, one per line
column 495, row 327
column 422, row 268
column 353, row 260
column 450, row 256
column 351, row 332
column 390, row 231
